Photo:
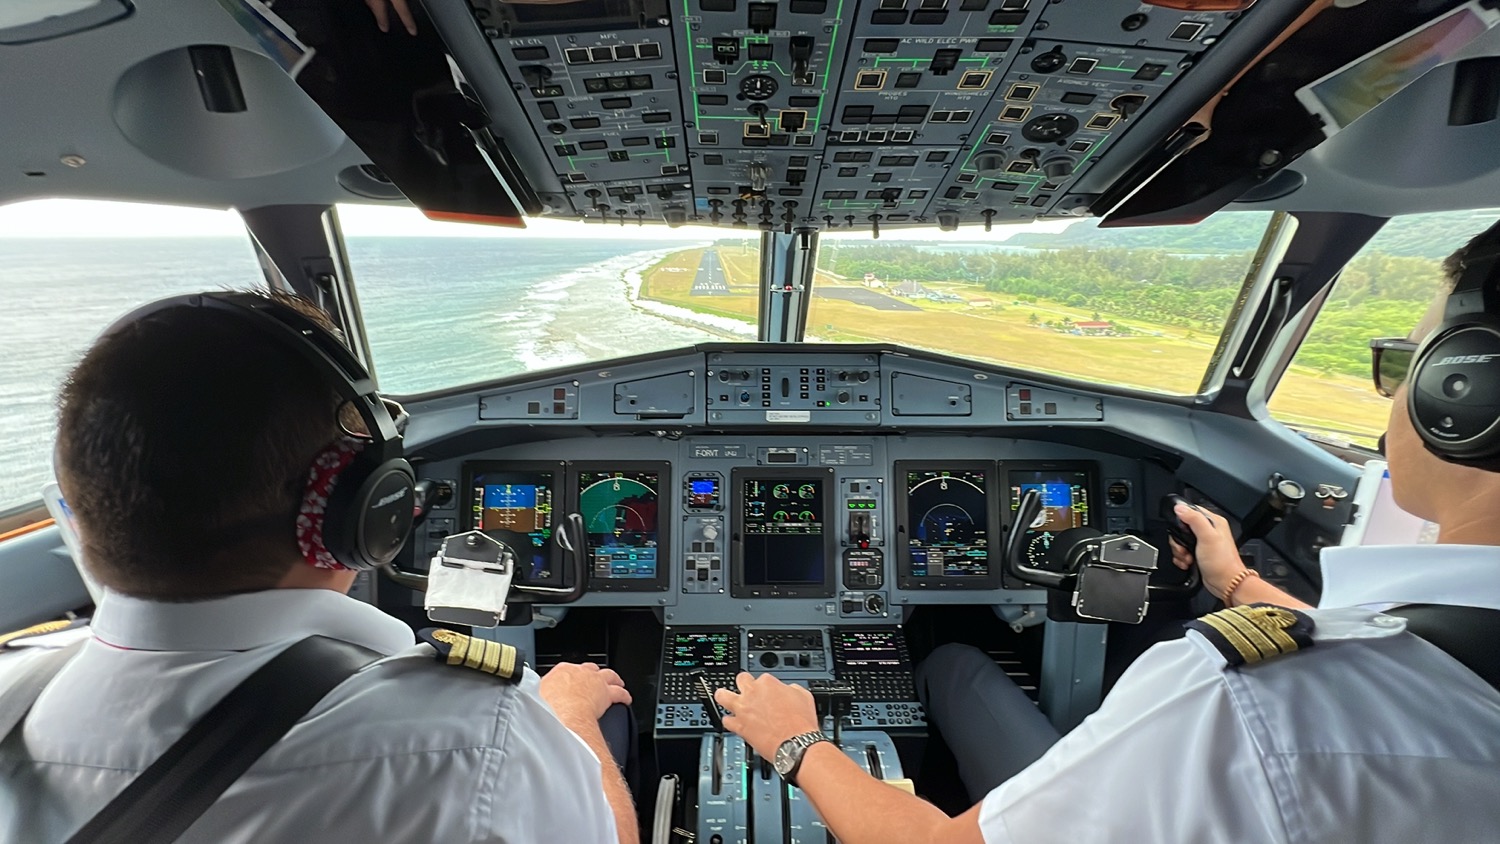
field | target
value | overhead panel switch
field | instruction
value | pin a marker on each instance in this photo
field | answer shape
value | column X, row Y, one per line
column 802, row 50
column 762, row 17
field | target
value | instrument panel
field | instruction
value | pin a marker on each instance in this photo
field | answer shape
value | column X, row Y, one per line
column 795, row 515
column 844, row 542
column 808, row 511
column 804, row 533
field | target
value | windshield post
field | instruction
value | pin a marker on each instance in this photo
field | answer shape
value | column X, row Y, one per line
column 301, row 251
column 787, row 262
column 1258, row 281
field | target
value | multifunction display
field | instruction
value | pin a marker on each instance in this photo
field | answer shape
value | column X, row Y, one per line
column 620, row 516
column 517, row 507
column 625, row 508
column 945, row 511
column 949, row 523
column 781, row 522
column 1066, row 503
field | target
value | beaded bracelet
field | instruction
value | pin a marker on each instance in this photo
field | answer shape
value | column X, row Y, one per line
column 1238, row 581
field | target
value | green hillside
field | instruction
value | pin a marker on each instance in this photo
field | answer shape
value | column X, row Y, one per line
column 1415, row 236
column 1188, row 277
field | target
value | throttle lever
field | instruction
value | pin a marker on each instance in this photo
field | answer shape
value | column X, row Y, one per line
column 706, row 692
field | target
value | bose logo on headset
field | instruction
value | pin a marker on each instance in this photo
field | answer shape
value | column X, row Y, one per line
column 401, row 493
column 1453, row 360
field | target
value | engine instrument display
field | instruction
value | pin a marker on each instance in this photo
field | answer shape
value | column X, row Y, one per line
column 1066, row 504
column 518, row 507
column 781, row 519
column 944, row 517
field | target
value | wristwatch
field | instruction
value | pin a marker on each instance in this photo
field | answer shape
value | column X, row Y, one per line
column 789, row 754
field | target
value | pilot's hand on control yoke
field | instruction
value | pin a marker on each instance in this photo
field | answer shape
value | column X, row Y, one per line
column 1217, row 556
column 580, row 694
column 767, row 712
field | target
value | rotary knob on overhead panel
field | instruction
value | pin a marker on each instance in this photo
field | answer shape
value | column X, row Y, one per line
column 989, row 162
column 1058, row 168
column 1050, row 128
column 536, row 75
column 1050, row 61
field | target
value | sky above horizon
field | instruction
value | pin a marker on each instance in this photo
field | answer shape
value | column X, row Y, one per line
column 91, row 218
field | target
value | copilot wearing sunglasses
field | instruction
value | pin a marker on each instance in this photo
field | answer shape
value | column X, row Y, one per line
column 1384, row 726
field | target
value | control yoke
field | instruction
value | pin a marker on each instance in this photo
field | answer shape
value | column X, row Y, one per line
column 1108, row 575
column 481, row 551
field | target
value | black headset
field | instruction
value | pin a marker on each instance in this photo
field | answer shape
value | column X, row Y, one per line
column 1453, row 392
column 369, row 512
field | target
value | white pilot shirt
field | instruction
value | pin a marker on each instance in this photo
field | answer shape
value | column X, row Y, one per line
column 1371, row 735
column 398, row 752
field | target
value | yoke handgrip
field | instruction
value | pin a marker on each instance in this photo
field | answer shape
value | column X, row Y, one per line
column 1026, row 513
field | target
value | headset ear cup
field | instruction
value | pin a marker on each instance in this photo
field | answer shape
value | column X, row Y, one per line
column 1453, row 392
column 370, row 514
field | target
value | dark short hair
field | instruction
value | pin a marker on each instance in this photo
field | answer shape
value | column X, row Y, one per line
column 183, row 447
column 1453, row 265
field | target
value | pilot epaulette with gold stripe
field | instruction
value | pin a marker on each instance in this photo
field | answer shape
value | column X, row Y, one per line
column 1255, row 632
column 43, row 629
column 504, row 661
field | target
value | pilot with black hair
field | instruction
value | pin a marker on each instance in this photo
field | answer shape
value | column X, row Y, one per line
column 1372, row 718
column 189, row 446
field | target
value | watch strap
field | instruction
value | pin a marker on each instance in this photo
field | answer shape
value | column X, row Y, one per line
column 799, row 746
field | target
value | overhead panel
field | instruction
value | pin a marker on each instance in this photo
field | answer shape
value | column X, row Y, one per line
column 1060, row 107
column 836, row 114
column 759, row 79
column 606, row 107
column 918, row 79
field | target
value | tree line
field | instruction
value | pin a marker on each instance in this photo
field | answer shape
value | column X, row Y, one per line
column 1378, row 294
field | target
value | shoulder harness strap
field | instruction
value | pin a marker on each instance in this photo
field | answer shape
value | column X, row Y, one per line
column 16, row 700
column 1255, row 633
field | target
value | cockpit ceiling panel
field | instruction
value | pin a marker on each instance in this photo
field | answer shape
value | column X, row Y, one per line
column 835, row 114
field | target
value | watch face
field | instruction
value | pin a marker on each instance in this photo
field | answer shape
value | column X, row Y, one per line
column 785, row 760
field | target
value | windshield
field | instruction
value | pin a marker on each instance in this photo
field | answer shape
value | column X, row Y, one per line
column 1139, row 308
column 447, row 304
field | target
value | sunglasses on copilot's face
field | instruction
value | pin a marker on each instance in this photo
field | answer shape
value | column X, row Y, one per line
column 1390, row 360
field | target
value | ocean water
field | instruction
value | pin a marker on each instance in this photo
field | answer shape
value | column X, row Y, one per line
column 440, row 312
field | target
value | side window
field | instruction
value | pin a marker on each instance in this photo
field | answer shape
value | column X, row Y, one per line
column 1382, row 293
column 68, row 269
